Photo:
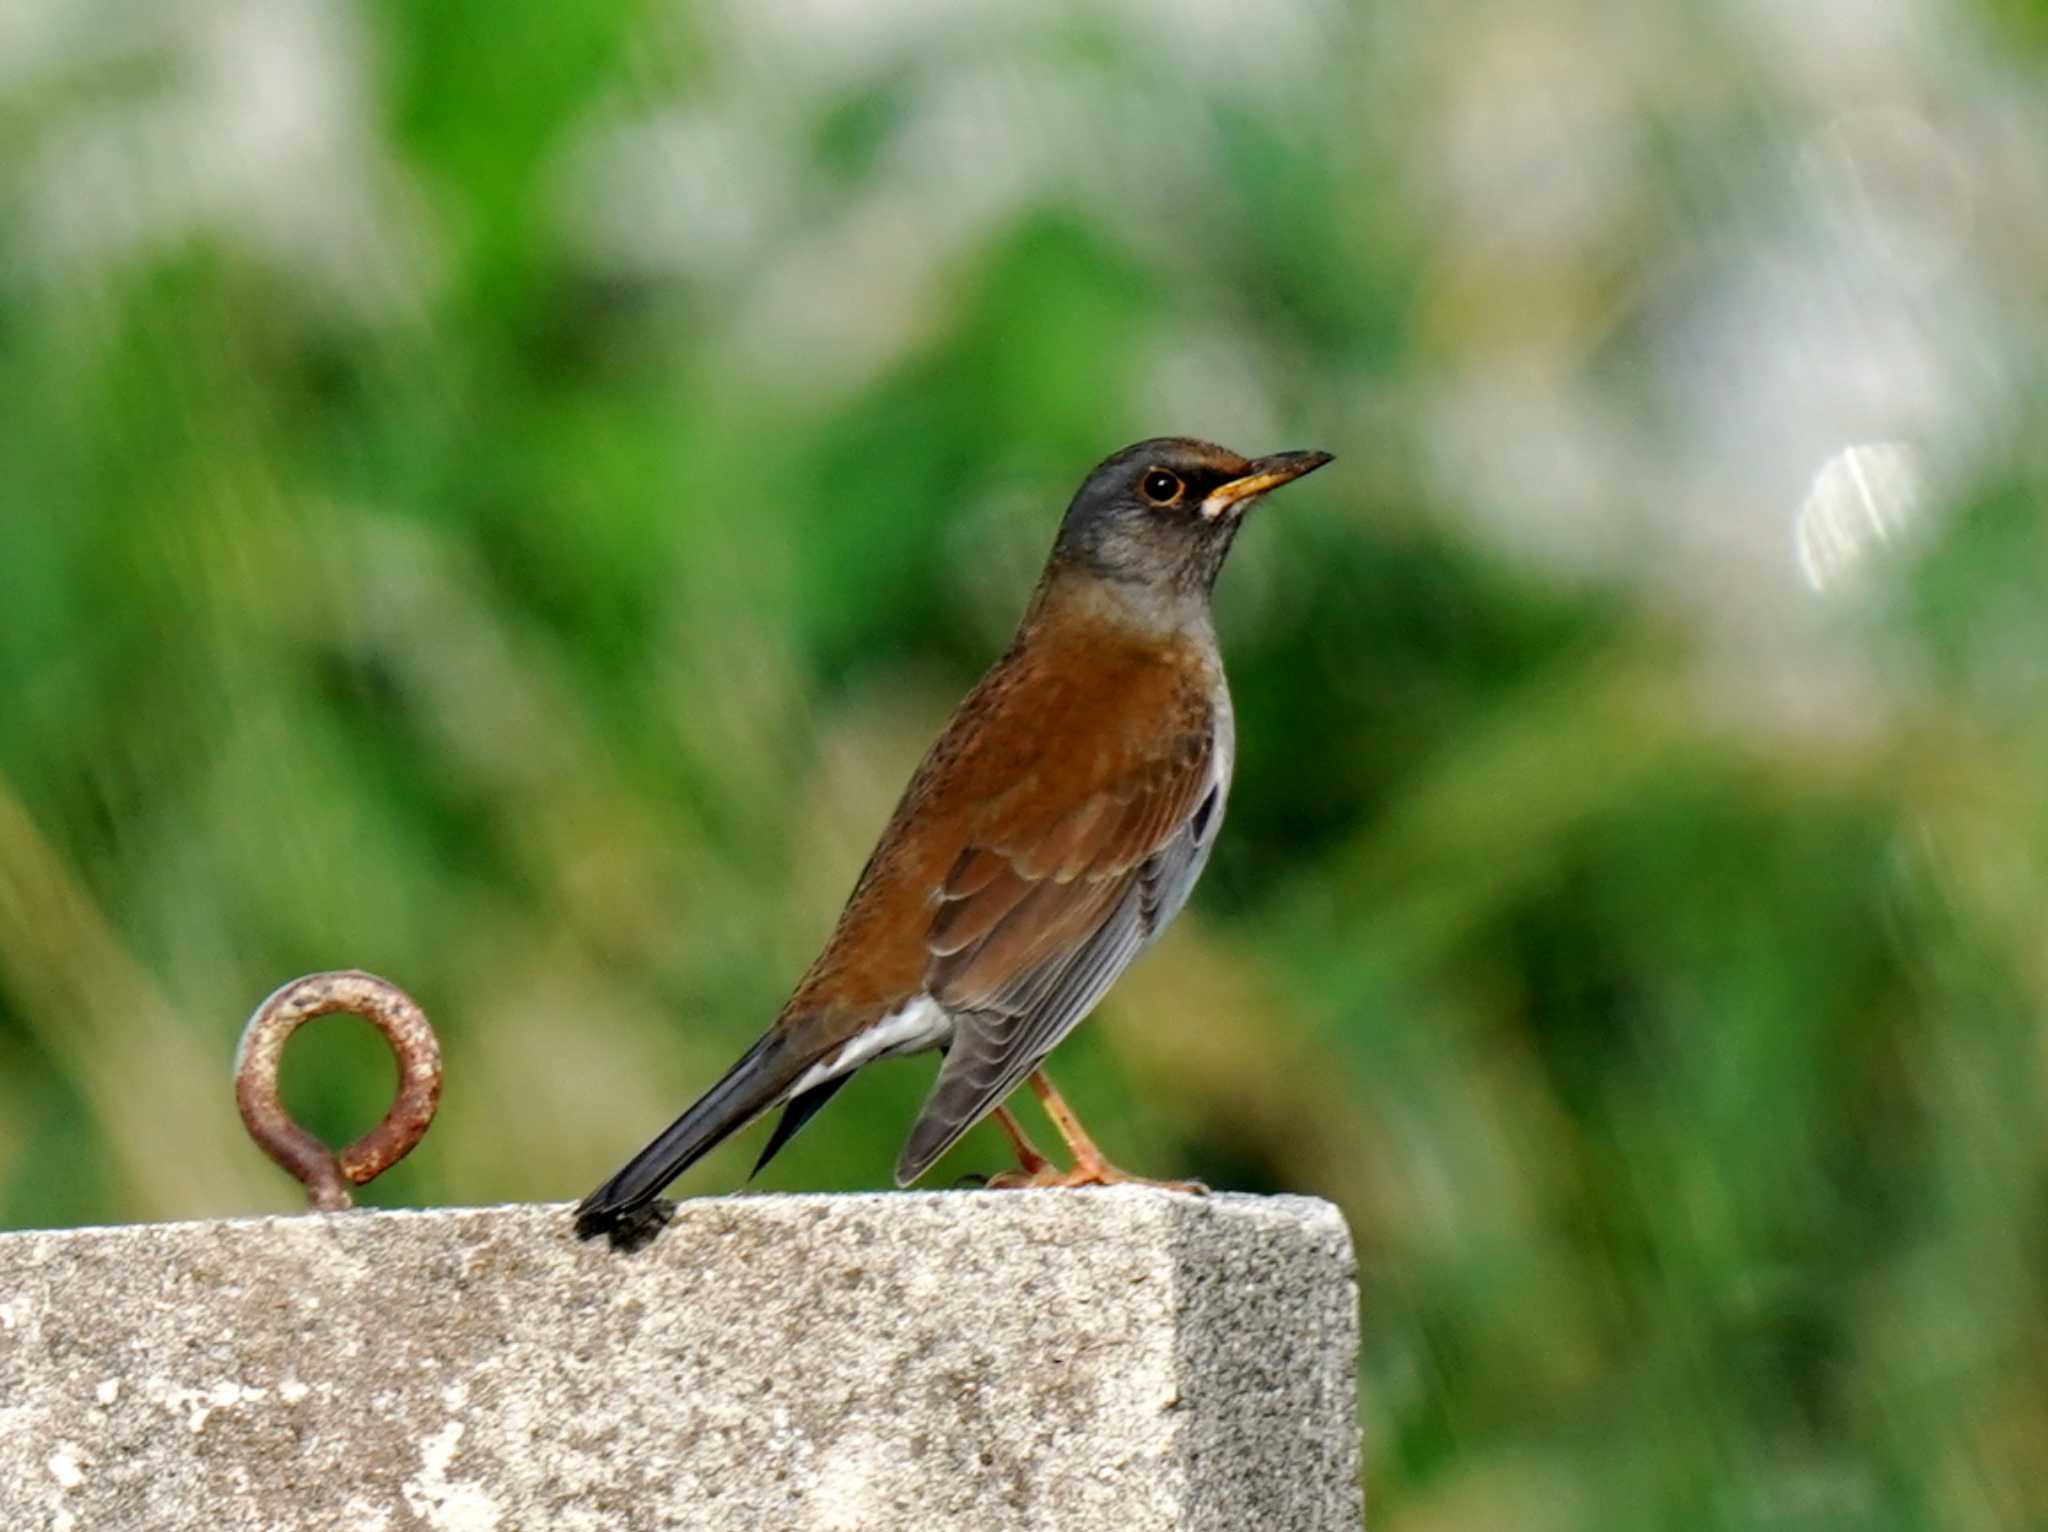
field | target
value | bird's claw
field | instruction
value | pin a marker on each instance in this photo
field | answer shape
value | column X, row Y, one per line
column 1097, row 1173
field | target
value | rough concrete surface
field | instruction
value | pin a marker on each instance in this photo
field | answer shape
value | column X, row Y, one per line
column 1123, row 1360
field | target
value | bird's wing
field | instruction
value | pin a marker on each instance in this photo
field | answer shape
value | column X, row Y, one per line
column 1041, row 913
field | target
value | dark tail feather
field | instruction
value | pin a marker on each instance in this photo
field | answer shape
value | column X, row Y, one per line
column 799, row 1111
column 748, row 1089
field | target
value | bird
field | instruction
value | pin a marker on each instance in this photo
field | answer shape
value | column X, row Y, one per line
column 1050, row 834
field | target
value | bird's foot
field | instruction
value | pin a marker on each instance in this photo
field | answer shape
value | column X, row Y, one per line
column 1090, row 1172
column 1090, row 1168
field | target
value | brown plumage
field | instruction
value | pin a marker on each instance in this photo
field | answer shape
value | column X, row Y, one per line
column 1008, row 841
column 1050, row 833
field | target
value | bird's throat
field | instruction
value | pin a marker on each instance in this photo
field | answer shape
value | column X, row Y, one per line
column 1166, row 610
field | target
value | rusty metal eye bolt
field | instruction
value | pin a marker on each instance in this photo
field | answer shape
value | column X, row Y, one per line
column 326, row 1175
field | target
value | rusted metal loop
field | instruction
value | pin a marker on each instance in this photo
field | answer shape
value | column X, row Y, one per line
column 328, row 1176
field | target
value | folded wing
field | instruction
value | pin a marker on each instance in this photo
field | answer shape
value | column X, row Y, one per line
column 1039, row 916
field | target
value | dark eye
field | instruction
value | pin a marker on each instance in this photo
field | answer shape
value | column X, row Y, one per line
column 1162, row 487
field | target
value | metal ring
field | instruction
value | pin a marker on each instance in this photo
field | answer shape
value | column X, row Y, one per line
column 328, row 1176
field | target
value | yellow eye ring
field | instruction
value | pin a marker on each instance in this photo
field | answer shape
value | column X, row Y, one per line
column 1161, row 487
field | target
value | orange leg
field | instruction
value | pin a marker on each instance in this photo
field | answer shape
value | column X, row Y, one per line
column 1091, row 1167
column 1032, row 1163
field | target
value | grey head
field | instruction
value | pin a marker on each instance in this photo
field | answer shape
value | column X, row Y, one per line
column 1159, row 517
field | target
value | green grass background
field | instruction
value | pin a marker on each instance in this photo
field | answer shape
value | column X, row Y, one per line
column 501, row 495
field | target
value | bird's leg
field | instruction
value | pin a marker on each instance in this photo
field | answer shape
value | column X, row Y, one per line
column 1091, row 1167
column 1087, row 1156
column 1029, row 1161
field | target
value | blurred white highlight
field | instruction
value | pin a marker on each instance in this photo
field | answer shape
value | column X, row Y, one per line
column 1865, row 498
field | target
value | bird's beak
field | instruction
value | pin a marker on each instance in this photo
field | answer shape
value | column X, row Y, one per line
column 1267, row 473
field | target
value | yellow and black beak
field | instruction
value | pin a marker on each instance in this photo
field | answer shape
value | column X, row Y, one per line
column 1231, row 499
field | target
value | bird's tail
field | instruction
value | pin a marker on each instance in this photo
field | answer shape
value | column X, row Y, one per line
column 761, row 1078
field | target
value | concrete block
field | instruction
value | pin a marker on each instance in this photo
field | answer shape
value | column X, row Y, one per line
column 1124, row 1360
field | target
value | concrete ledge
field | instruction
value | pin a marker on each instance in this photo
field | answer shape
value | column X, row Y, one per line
column 1123, row 1360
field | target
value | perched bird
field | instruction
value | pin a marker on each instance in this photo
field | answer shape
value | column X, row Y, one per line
column 1049, row 835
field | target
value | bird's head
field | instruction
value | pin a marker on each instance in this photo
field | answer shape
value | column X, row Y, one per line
column 1161, row 515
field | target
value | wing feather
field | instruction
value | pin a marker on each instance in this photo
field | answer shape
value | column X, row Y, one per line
column 1035, row 924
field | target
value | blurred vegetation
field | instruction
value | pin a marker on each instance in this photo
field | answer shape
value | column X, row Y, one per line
column 502, row 495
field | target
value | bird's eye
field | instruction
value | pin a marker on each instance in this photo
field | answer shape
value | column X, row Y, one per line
column 1161, row 487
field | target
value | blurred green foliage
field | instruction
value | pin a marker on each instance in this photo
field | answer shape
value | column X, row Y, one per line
column 501, row 496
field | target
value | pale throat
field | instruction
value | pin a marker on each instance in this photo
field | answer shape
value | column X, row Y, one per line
column 1148, row 606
